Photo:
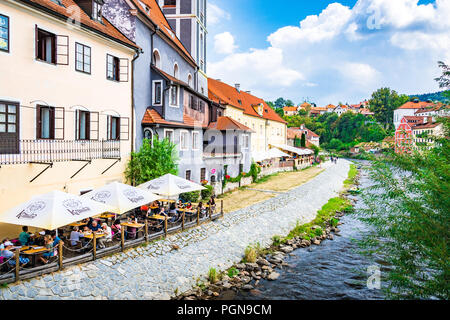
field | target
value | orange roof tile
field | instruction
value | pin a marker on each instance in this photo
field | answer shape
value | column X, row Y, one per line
column 416, row 105
column 290, row 109
column 151, row 116
column 157, row 16
column 227, row 123
column 106, row 29
column 223, row 93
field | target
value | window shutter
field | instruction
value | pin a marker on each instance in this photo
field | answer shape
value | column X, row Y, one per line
column 124, row 133
column 38, row 122
column 93, row 125
column 59, row 123
column 77, row 124
column 108, row 128
column 62, row 50
column 52, row 123
column 36, row 41
column 123, row 69
column 88, row 126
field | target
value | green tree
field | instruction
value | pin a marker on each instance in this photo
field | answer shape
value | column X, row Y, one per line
column 280, row 103
column 152, row 162
column 444, row 79
column 383, row 103
column 280, row 112
column 289, row 103
column 297, row 142
column 303, row 141
column 408, row 209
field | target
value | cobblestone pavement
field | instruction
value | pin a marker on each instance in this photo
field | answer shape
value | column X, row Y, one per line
column 156, row 271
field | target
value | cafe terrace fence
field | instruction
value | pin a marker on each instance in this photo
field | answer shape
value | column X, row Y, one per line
column 18, row 272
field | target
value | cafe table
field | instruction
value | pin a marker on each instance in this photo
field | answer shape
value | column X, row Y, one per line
column 157, row 217
column 78, row 224
column 106, row 216
column 90, row 235
column 34, row 252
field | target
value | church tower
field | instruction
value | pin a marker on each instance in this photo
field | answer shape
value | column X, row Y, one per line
column 188, row 20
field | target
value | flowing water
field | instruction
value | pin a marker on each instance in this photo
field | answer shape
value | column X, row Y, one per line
column 332, row 270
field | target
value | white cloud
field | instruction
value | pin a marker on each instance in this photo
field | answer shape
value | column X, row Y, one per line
column 224, row 43
column 257, row 69
column 343, row 54
column 216, row 14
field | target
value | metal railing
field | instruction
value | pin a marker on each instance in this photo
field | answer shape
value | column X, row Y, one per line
column 28, row 151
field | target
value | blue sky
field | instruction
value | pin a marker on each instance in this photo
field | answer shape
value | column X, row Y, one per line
column 328, row 51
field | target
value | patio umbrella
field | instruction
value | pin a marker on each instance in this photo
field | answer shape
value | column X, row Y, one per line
column 121, row 197
column 53, row 210
column 170, row 186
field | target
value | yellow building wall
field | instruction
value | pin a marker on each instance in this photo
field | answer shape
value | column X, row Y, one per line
column 30, row 82
column 265, row 131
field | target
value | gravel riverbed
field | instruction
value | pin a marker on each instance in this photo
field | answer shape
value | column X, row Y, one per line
column 157, row 271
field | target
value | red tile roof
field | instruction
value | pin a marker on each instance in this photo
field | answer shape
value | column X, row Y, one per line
column 151, row 116
column 425, row 126
column 416, row 105
column 414, row 119
column 225, row 94
column 106, row 29
column 227, row 123
column 157, row 16
column 290, row 109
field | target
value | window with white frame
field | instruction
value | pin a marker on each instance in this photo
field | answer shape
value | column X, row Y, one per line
column 195, row 136
column 246, row 141
column 184, row 139
column 168, row 134
column 174, row 96
column 157, row 92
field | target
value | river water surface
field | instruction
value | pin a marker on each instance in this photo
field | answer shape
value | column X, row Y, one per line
column 332, row 270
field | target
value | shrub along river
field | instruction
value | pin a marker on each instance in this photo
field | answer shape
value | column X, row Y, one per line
column 332, row 270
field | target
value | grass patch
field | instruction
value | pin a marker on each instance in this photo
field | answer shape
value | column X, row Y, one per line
column 252, row 252
column 232, row 272
column 266, row 178
column 213, row 276
column 353, row 172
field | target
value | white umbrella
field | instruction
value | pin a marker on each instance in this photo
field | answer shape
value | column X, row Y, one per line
column 170, row 185
column 53, row 210
column 121, row 197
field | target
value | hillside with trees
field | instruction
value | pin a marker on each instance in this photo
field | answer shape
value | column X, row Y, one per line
column 341, row 133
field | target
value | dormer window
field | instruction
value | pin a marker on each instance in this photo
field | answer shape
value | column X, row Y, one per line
column 97, row 10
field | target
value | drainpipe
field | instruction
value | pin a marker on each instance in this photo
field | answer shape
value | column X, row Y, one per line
column 133, row 106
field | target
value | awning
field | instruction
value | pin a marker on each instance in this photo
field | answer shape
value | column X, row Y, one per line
column 300, row 152
column 271, row 154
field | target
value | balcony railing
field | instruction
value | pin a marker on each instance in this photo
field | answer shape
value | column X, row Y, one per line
column 48, row 151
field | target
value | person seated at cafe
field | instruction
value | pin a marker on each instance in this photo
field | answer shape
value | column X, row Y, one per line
column 131, row 231
column 107, row 238
column 75, row 236
column 173, row 213
column 116, row 227
column 95, row 226
column 25, row 237
column 180, row 204
column 7, row 253
column 189, row 206
column 212, row 203
column 48, row 244
column 201, row 208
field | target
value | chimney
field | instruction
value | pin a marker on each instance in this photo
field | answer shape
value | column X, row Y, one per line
column 238, row 87
column 249, row 92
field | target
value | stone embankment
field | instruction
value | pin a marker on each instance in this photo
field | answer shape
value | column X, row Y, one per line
column 173, row 265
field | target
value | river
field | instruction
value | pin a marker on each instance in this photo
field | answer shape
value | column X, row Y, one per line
column 332, row 270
